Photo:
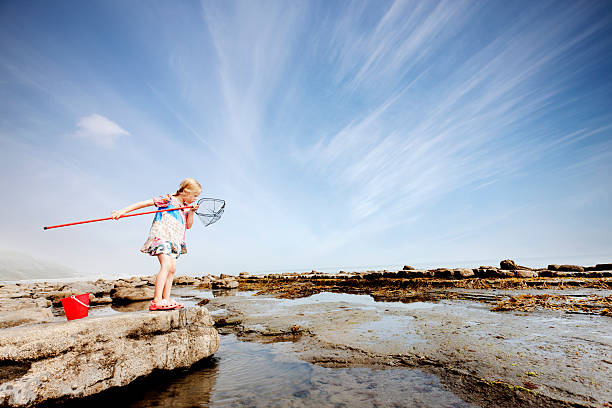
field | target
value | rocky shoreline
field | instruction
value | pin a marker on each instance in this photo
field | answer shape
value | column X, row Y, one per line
column 506, row 336
column 46, row 359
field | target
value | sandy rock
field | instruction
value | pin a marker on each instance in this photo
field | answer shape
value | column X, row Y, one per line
column 150, row 280
column 494, row 273
column 508, row 264
column 100, row 300
column 526, row 274
column 372, row 275
column 78, row 288
column 442, row 273
column 15, row 312
column 418, row 273
column 570, row 268
column 56, row 297
column 122, row 295
column 184, row 280
column 134, row 282
column 122, row 284
column 28, row 316
column 204, row 281
column 506, row 274
column 226, row 283
column 87, row 356
column 463, row 273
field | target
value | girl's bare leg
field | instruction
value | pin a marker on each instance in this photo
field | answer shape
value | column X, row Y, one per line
column 169, row 278
column 166, row 264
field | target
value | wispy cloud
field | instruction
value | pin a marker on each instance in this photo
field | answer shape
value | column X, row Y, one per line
column 467, row 127
column 100, row 130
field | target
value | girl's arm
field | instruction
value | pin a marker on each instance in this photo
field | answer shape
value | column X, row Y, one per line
column 190, row 216
column 136, row 206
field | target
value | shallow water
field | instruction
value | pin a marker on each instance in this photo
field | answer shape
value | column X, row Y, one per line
column 243, row 374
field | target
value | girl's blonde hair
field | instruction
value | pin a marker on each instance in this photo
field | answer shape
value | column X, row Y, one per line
column 190, row 185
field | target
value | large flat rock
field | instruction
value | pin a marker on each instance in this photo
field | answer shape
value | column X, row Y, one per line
column 78, row 358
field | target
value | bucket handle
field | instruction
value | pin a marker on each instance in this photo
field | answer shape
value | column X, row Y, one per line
column 74, row 297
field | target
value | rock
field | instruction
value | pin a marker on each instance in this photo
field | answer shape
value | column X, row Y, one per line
column 510, row 265
column 184, row 280
column 122, row 284
column 526, row 274
column 506, row 274
column 150, row 280
column 372, row 275
column 87, row 356
column 243, row 274
column 463, row 273
column 570, row 268
column 100, row 300
column 56, row 297
column 408, row 268
column 553, row 267
column 494, row 273
column 15, row 312
column 603, row 267
column 122, row 295
column 418, row 273
column 78, row 287
column 546, row 273
column 442, row 273
column 12, row 318
column 225, row 283
column 133, row 282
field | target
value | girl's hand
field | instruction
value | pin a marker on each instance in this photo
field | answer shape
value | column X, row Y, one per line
column 118, row 213
column 194, row 208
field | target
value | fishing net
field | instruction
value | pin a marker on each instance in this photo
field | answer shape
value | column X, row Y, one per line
column 210, row 210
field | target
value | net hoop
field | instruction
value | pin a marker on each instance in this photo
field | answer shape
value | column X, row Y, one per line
column 210, row 210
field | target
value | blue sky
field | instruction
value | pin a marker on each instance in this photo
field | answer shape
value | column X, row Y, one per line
column 345, row 133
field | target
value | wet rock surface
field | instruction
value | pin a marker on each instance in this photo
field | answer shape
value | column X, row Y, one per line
column 123, row 295
column 548, row 358
column 501, row 337
column 55, row 361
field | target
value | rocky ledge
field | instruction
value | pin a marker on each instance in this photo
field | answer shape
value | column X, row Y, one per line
column 56, row 361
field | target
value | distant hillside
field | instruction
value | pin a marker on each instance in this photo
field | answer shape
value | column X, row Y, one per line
column 18, row 266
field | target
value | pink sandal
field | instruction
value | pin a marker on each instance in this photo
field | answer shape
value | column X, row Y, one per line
column 163, row 305
column 175, row 305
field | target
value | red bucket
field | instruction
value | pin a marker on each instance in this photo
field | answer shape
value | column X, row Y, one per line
column 76, row 306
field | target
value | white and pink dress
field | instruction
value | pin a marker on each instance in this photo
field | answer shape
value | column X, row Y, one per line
column 167, row 234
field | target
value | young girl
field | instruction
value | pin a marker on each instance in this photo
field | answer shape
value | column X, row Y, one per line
column 167, row 237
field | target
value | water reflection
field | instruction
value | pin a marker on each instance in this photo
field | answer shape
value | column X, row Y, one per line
column 243, row 374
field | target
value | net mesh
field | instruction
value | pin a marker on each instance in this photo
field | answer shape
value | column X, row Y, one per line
column 210, row 210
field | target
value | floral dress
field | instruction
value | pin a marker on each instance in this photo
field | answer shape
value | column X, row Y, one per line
column 167, row 234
